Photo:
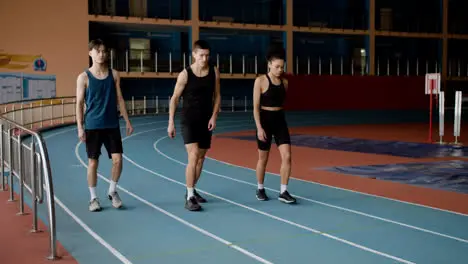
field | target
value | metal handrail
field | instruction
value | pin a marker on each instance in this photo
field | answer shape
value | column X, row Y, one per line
column 170, row 62
column 45, row 162
column 30, row 117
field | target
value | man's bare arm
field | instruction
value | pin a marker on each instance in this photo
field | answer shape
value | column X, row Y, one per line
column 80, row 94
column 120, row 99
column 178, row 89
column 217, row 95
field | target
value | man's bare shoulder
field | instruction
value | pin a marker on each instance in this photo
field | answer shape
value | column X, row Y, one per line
column 82, row 77
column 183, row 72
column 182, row 76
column 115, row 73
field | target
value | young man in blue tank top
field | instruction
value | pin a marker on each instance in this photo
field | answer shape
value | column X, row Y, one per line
column 268, row 98
column 98, row 88
column 198, row 84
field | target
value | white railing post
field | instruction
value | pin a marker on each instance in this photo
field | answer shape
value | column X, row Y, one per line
column 245, row 104
column 141, row 62
column 320, row 65
column 63, row 111
column 170, row 62
column 112, row 58
column 256, row 65
column 243, row 64
column 157, row 104
column 126, row 60
column 156, row 61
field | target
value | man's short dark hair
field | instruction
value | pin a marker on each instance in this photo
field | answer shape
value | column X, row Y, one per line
column 95, row 43
column 201, row 44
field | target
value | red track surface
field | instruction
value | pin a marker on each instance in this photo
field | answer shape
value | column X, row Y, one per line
column 18, row 244
column 305, row 159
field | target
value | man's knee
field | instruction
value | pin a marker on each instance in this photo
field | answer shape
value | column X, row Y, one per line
column 192, row 152
column 263, row 156
column 117, row 159
column 201, row 156
column 93, row 163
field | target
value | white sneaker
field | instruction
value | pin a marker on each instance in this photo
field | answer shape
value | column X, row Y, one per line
column 94, row 205
column 114, row 197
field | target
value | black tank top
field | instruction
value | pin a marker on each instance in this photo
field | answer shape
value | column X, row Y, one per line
column 198, row 95
column 274, row 96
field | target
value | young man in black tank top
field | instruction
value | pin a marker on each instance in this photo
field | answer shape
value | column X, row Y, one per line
column 269, row 96
column 198, row 84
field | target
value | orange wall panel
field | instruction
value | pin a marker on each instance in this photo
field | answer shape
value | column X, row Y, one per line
column 55, row 29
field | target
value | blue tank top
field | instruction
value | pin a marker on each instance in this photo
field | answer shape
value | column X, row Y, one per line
column 101, row 103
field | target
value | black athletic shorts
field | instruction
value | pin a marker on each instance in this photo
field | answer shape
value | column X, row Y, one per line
column 196, row 131
column 109, row 137
column 274, row 124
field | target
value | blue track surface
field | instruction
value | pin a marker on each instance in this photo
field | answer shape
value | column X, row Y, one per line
column 328, row 225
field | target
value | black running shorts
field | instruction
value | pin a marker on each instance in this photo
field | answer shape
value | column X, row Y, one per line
column 196, row 131
column 274, row 124
column 109, row 137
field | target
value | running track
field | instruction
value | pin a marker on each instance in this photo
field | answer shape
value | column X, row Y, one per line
column 328, row 225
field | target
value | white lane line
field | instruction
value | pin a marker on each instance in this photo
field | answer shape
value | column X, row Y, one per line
column 270, row 215
column 318, row 202
column 203, row 231
column 99, row 239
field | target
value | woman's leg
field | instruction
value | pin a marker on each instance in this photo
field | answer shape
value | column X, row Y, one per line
column 285, row 170
column 283, row 141
column 263, row 154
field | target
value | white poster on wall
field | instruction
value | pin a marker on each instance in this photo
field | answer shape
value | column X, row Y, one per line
column 20, row 86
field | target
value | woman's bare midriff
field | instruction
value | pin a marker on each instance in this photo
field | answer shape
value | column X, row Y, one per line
column 268, row 108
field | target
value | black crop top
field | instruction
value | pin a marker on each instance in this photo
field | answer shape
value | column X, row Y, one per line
column 274, row 96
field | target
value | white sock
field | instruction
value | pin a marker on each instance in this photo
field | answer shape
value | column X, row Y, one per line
column 92, row 191
column 283, row 188
column 260, row 186
column 189, row 193
column 112, row 187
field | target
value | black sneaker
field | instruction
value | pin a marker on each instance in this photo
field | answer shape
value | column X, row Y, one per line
column 261, row 195
column 192, row 204
column 199, row 198
column 285, row 197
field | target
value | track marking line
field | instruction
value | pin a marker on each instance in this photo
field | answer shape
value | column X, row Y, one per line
column 318, row 202
column 49, row 136
column 203, row 231
column 269, row 215
column 343, row 189
column 99, row 239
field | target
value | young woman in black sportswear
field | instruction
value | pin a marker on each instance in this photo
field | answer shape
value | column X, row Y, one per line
column 269, row 95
